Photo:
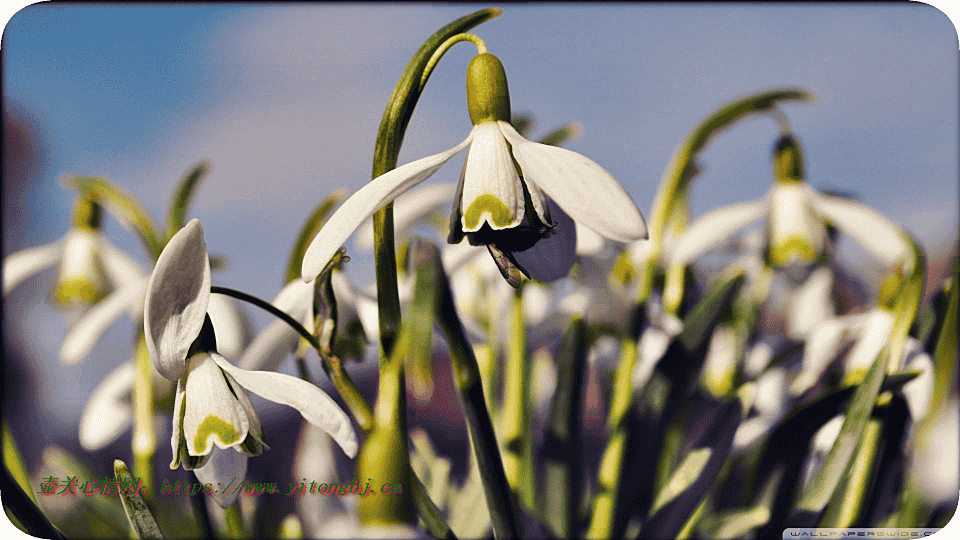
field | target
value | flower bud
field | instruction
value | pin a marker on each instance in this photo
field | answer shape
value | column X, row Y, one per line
column 488, row 98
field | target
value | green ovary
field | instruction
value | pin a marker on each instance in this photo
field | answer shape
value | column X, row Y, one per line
column 214, row 425
column 500, row 216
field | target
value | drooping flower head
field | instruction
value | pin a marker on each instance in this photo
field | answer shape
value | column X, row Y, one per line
column 211, row 409
column 517, row 197
column 88, row 267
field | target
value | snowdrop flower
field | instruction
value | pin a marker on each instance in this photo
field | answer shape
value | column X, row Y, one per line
column 872, row 328
column 109, row 411
column 211, row 408
column 511, row 210
column 89, row 266
column 796, row 216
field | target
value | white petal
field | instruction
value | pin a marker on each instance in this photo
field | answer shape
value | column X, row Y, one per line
column 591, row 243
column 118, row 266
column 364, row 203
column 653, row 344
column 223, row 467
column 256, row 428
column 876, row 334
column 796, row 233
column 919, row 391
column 578, row 185
column 211, row 412
column 811, row 303
column 108, row 412
column 715, row 227
column 176, row 300
column 313, row 403
column 95, row 321
column 492, row 191
column 23, row 264
column 270, row 348
column 877, row 234
column 551, row 258
column 412, row 208
column 822, row 346
column 180, row 397
column 81, row 258
column 229, row 324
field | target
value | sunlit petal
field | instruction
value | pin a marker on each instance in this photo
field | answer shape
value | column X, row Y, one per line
column 23, row 264
column 176, row 300
column 878, row 235
column 411, row 208
column 364, row 203
column 492, row 191
column 314, row 404
column 108, row 412
column 714, row 227
column 580, row 186
column 95, row 321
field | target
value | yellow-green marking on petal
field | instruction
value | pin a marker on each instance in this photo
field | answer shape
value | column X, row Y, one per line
column 498, row 213
column 214, row 425
column 793, row 248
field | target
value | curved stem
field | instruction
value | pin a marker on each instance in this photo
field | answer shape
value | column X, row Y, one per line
column 269, row 308
column 432, row 63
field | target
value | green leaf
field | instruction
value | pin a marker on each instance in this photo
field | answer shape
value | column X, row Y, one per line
column 127, row 208
column 563, row 440
column 139, row 516
column 683, row 360
column 561, row 135
column 13, row 461
column 840, row 458
column 466, row 375
column 176, row 213
column 693, row 479
column 310, row 229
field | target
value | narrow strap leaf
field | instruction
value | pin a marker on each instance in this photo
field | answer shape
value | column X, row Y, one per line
column 176, row 213
column 466, row 375
column 307, row 232
column 141, row 519
column 691, row 482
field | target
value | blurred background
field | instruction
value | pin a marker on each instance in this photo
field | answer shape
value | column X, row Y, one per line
column 285, row 102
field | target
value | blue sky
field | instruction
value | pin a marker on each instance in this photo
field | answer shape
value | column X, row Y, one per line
column 285, row 101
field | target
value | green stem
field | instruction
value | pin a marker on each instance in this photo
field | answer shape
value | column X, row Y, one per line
column 144, row 433
column 611, row 464
column 269, row 308
column 516, row 425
